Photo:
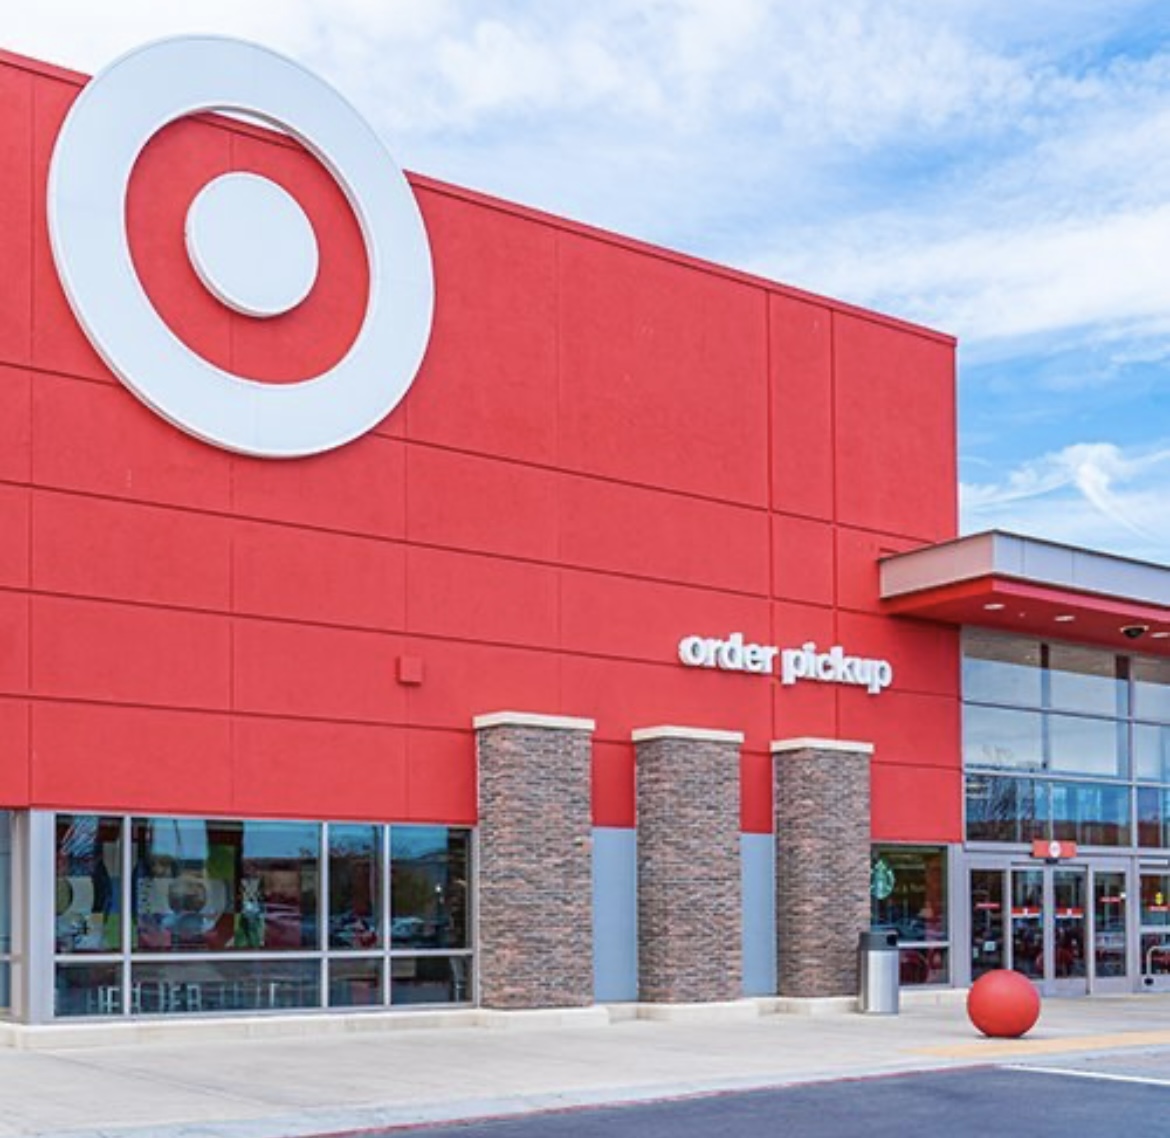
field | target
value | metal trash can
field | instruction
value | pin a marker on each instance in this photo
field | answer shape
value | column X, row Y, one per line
column 877, row 972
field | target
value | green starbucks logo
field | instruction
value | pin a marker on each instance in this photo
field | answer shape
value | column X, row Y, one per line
column 881, row 879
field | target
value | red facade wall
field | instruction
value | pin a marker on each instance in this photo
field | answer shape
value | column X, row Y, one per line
column 608, row 447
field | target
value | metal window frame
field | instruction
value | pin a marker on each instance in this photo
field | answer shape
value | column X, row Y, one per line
column 34, row 924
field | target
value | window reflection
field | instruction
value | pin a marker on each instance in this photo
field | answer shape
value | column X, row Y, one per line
column 1153, row 806
column 1109, row 923
column 211, row 886
column 908, row 892
column 1155, row 922
column 227, row 915
column 1021, row 810
column 88, row 883
column 1090, row 814
column 355, row 983
column 1080, row 745
column 430, row 980
column 1006, row 739
column 1151, row 689
column 1027, row 916
column 428, row 881
column 1151, row 752
column 987, row 917
column 1085, row 680
column 88, row 990
column 1003, row 738
column 1001, row 669
column 217, row 986
column 1155, row 900
column 1006, row 809
column 355, row 889
column 1052, row 709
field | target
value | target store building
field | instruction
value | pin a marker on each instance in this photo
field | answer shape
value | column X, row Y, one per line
column 409, row 599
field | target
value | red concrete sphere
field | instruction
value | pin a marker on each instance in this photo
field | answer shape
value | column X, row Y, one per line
column 1003, row 1004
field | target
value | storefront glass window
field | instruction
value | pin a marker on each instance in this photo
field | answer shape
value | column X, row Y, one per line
column 1153, row 809
column 227, row 915
column 1080, row 745
column 1151, row 752
column 1022, row 810
column 1001, row 669
column 908, row 892
column 1006, row 809
column 215, row 886
column 1078, row 713
column 1151, row 689
column 428, row 879
column 1086, row 680
column 428, row 885
column 1089, row 813
column 89, row 883
column 355, row 887
column 89, row 989
column 219, row 986
column 1002, row 738
column 356, row 982
column 429, row 979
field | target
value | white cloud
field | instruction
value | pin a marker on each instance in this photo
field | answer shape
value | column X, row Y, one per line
column 1034, row 276
column 1094, row 494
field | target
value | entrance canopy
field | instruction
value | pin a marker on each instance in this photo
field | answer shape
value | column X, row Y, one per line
column 1032, row 587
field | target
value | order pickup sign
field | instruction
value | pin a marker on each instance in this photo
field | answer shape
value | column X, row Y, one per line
column 733, row 653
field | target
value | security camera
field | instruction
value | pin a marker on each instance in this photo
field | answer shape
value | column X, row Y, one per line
column 1135, row 631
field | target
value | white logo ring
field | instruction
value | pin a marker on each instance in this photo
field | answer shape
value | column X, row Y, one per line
column 113, row 118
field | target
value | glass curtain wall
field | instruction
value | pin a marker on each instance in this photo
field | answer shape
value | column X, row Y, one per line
column 1065, row 742
column 190, row 915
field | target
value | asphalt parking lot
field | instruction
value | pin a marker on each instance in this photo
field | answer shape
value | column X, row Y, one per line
column 1039, row 1102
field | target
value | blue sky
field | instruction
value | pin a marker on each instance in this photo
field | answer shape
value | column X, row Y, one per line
column 1000, row 171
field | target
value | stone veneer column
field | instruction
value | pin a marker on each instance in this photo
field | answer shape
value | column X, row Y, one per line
column 535, row 898
column 822, row 863
column 689, row 887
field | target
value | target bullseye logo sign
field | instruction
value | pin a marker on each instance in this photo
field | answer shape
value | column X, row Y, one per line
column 249, row 241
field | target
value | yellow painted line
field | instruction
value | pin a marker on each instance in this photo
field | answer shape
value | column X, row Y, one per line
column 1012, row 1048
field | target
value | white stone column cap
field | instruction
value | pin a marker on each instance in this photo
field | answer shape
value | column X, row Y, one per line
column 531, row 719
column 696, row 734
column 782, row 746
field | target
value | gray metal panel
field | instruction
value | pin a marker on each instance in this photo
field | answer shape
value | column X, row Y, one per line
column 758, row 862
column 1025, row 559
column 961, row 560
column 615, row 915
column 35, row 918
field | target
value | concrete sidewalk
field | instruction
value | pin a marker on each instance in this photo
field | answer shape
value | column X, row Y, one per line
column 386, row 1076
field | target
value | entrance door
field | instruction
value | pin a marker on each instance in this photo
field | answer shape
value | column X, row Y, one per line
column 1037, row 919
column 1066, row 932
column 1029, row 913
column 1154, row 943
column 988, row 949
column 1111, row 971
